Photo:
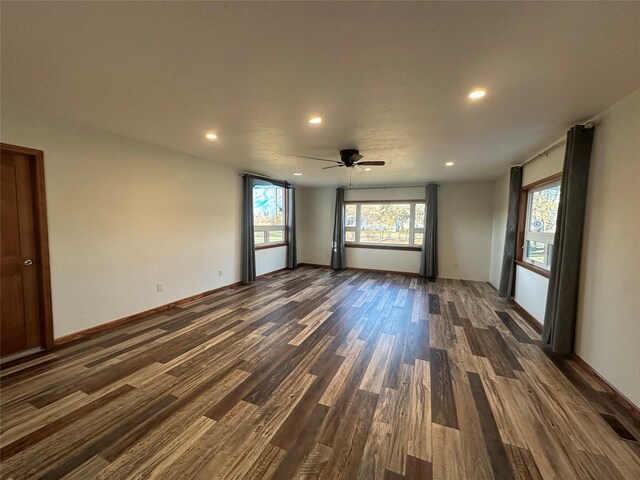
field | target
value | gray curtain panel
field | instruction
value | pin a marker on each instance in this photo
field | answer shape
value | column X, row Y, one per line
column 338, row 250
column 508, row 273
column 429, row 256
column 248, row 242
column 559, row 327
column 292, row 256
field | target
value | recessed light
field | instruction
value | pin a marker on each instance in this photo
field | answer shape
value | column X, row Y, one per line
column 476, row 94
column 298, row 174
column 449, row 164
column 211, row 136
column 315, row 119
column 367, row 169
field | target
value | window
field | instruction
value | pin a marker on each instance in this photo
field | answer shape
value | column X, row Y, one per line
column 269, row 215
column 384, row 223
column 540, row 224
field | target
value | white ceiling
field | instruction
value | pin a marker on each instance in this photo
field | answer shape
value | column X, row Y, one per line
column 388, row 78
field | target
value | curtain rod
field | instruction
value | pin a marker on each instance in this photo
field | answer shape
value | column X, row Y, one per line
column 391, row 186
column 545, row 153
column 266, row 178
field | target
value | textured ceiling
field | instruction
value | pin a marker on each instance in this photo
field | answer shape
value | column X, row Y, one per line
column 388, row 78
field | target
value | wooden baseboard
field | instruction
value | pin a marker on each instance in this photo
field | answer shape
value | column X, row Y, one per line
column 617, row 395
column 393, row 272
column 316, row 265
column 73, row 337
column 530, row 319
column 313, row 265
column 275, row 272
column 623, row 401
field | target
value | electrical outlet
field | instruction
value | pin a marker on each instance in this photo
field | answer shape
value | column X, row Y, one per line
column 220, row 272
column 158, row 287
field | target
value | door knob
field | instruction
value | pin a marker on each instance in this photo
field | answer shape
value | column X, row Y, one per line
column 28, row 262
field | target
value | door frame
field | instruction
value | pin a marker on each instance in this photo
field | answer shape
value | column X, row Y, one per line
column 42, row 241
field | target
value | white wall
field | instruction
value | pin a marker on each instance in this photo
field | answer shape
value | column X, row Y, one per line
column 315, row 209
column 464, row 225
column 391, row 260
column 270, row 259
column 395, row 193
column 543, row 167
column 465, row 219
column 531, row 292
column 608, row 328
column 535, row 293
column 124, row 215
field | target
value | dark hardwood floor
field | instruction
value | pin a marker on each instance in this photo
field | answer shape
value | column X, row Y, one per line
column 316, row 374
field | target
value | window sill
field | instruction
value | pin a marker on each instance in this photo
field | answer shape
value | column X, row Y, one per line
column 533, row 268
column 270, row 245
column 409, row 248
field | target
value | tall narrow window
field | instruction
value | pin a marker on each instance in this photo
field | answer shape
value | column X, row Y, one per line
column 418, row 232
column 269, row 215
column 540, row 225
column 350, row 222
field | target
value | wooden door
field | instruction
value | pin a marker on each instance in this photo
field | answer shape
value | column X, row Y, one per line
column 22, row 322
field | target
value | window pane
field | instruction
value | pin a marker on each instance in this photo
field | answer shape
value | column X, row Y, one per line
column 276, row 236
column 268, row 205
column 417, row 239
column 419, row 216
column 350, row 216
column 544, row 210
column 258, row 238
column 535, row 251
column 385, row 223
column 350, row 236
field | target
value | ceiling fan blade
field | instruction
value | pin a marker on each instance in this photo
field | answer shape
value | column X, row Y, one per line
column 332, row 166
column 315, row 158
column 372, row 163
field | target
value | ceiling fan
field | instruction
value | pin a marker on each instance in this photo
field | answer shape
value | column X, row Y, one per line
column 348, row 158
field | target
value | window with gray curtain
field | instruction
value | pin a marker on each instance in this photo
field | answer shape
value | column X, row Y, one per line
column 429, row 255
column 269, row 214
column 248, row 254
column 338, row 251
column 274, row 234
column 559, row 327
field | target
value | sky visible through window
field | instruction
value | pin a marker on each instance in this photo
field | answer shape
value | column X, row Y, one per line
column 268, row 205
